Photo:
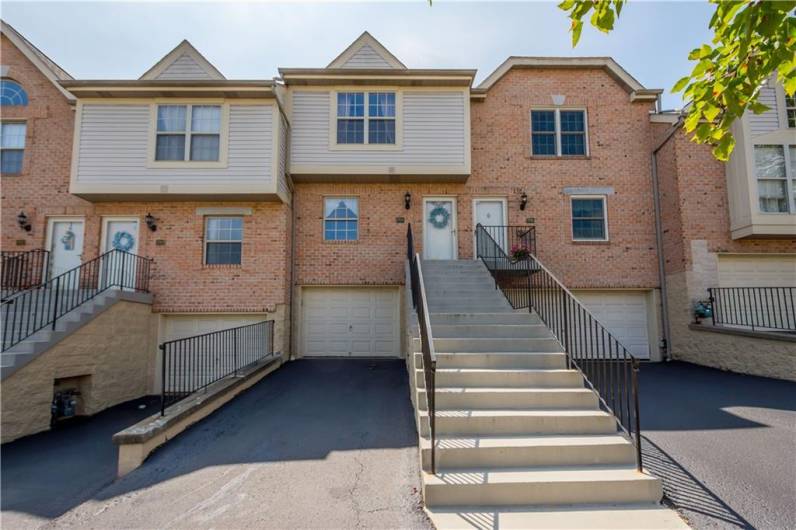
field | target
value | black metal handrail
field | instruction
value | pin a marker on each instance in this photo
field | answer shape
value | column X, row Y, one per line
column 506, row 259
column 191, row 364
column 607, row 367
column 29, row 311
column 23, row 269
column 420, row 303
column 758, row 308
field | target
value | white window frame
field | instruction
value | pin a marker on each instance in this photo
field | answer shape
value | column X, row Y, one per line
column 366, row 118
column 223, row 134
column 789, row 108
column 358, row 219
column 790, row 179
column 557, row 111
column 207, row 240
column 604, row 199
column 24, row 145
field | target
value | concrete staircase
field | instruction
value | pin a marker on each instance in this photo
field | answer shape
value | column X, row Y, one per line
column 521, row 443
column 26, row 351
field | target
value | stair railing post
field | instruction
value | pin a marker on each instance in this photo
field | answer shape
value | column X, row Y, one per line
column 637, row 419
column 235, row 350
column 162, row 348
column 121, row 278
column 55, row 304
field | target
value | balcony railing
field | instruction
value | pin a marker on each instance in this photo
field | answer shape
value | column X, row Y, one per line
column 756, row 308
column 606, row 365
column 194, row 363
column 29, row 311
column 23, row 269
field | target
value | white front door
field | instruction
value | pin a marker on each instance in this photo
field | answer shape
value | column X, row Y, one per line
column 491, row 214
column 122, row 234
column 439, row 228
column 65, row 242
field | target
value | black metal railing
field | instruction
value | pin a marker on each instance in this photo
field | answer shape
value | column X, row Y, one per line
column 192, row 364
column 29, row 311
column 758, row 308
column 426, row 340
column 506, row 258
column 23, row 269
column 607, row 367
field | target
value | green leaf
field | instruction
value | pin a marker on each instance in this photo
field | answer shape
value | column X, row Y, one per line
column 577, row 27
column 724, row 148
column 681, row 84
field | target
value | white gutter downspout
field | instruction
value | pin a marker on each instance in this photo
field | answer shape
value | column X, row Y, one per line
column 667, row 332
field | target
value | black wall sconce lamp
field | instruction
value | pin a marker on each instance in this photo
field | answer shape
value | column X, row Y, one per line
column 407, row 200
column 151, row 222
column 523, row 200
column 24, row 222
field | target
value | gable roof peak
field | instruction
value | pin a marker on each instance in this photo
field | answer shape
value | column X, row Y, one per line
column 183, row 62
column 366, row 52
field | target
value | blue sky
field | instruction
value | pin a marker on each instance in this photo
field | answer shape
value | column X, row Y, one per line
column 114, row 40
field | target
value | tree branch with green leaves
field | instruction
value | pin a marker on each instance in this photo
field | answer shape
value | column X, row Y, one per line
column 752, row 40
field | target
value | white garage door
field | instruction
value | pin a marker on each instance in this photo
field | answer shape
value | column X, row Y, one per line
column 350, row 322
column 624, row 315
column 757, row 271
column 181, row 326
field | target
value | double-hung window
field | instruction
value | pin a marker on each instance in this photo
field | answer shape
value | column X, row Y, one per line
column 188, row 133
column 775, row 170
column 588, row 219
column 341, row 219
column 366, row 118
column 558, row 132
column 790, row 110
column 12, row 147
column 223, row 240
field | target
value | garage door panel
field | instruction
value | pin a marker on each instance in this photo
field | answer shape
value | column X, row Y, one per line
column 624, row 315
column 757, row 271
column 352, row 322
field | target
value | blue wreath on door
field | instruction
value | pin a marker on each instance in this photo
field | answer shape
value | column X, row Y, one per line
column 123, row 240
column 439, row 217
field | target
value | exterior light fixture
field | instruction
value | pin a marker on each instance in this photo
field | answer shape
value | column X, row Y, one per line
column 24, row 222
column 151, row 222
column 407, row 200
column 523, row 200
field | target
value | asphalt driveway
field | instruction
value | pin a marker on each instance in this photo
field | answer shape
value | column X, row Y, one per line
column 724, row 444
column 317, row 444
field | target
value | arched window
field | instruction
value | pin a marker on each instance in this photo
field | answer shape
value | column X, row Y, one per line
column 12, row 93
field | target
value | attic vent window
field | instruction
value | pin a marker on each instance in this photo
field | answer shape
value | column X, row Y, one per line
column 188, row 133
column 371, row 123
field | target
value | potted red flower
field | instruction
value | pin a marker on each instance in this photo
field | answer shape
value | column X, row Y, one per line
column 519, row 253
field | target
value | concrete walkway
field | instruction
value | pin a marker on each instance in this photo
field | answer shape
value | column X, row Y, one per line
column 318, row 444
column 724, row 444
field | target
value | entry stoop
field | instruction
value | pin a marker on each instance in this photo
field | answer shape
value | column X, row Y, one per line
column 521, row 442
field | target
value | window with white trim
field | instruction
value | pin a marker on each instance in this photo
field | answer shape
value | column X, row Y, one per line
column 589, row 221
column 12, row 147
column 341, row 219
column 188, row 133
column 223, row 240
column 790, row 110
column 775, row 171
column 558, row 132
column 361, row 123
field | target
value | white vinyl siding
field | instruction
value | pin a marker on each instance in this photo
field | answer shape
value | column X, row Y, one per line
column 350, row 322
column 281, row 178
column 769, row 120
column 366, row 57
column 184, row 68
column 114, row 148
column 434, row 133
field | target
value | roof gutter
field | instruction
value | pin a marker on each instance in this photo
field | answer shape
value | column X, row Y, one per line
column 656, row 199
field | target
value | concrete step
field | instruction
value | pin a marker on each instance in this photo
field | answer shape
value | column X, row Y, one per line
column 538, row 360
column 519, row 422
column 483, row 331
column 515, row 398
column 468, row 306
column 505, row 378
column 494, row 345
column 502, row 317
column 649, row 516
column 541, row 486
column 465, row 452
